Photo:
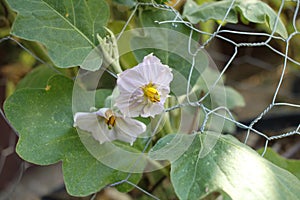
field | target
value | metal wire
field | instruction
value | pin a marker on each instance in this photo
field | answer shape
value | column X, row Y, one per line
column 216, row 34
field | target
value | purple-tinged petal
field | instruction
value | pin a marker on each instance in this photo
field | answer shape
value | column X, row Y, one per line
column 150, row 110
column 101, row 112
column 130, row 80
column 144, row 88
column 91, row 123
column 130, row 104
column 104, row 134
column 97, row 123
column 128, row 129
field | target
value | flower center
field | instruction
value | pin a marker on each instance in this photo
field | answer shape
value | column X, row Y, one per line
column 110, row 119
column 151, row 92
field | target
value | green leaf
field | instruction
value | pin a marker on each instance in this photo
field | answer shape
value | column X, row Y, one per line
column 213, row 10
column 169, row 42
column 44, row 120
column 37, row 78
column 290, row 165
column 67, row 28
column 84, row 175
column 93, row 61
column 233, row 98
column 230, row 166
column 221, row 95
column 252, row 10
column 229, row 127
column 41, row 117
column 128, row 3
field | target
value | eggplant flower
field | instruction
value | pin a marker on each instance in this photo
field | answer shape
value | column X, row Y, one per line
column 106, row 126
column 144, row 88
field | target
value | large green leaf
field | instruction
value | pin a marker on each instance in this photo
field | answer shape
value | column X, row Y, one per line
column 44, row 121
column 169, row 42
column 252, row 10
column 230, row 166
column 37, row 78
column 67, row 28
column 290, row 165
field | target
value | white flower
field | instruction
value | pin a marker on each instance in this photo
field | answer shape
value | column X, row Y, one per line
column 106, row 126
column 144, row 88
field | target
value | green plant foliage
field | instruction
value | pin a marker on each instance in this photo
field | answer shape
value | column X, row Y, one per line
column 128, row 3
column 231, row 97
column 168, row 42
column 220, row 95
column 252, row 10
column 67, row 28
column 230, row 166
column 290, row 165
column 37, row 78
column 43, row 119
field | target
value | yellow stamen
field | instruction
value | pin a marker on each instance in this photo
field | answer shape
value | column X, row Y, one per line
column 151, row 92
column 110, row 119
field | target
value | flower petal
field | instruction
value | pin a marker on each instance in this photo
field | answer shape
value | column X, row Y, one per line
column 128, row 129
column 152, row 109
column 165, row 76
column 130, row 105
column 91, row 123
column 130, row 80
column 105, row 134
column 154, row 71
column 86, row 121
column 101, row 112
